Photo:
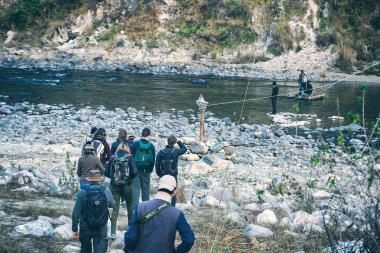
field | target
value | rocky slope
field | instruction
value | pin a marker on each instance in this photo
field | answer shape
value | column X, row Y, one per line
column 260, row 180
column 230, row 38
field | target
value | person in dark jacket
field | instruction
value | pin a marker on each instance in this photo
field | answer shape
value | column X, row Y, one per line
column 105, row 155
column 122, row 139
column 87, row 233
column 89, row 138
column 274, row 97
column 87, row 162
column 302, row 80
column 167, row 160
column 158, row 233
column 121, row 189
column 142, row 180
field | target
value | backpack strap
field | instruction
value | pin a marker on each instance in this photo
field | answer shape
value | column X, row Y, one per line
column 152, row 213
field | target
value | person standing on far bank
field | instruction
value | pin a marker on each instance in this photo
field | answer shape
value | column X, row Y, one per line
column 274, row 97
column 144, row 154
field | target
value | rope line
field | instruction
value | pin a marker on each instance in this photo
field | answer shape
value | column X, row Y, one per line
column 328, row 86
column 245, row 97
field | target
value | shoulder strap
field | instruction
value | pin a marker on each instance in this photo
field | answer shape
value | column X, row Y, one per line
column 152, row 213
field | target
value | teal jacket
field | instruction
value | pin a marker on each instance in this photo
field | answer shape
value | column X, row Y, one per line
column 79, row 213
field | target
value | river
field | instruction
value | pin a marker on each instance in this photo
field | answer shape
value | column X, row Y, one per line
column 154, row 92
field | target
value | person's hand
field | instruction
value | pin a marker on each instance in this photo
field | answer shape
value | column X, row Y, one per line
column 179, row 140
column 76, row 235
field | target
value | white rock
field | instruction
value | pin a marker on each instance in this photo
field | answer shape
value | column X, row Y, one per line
column 190, row 157
column 235, row 217
column 2, row 213
column 188, row 140
column 6, row 179
column 184, row 206
column 286, row 223
column 24, row 189
column 198, row 148
column 63, row 232
column 71, row 249
column 213, row 202
column 252, row 207
column 321, row 195
column 199, row 167
column 267, row 217
column 258, row 232
column 218, row 146
column 36, row 228
column 118, row 243
column 221, row 164
column 301, row 218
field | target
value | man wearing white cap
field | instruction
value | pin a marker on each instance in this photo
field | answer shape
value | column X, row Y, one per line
column 155, row 223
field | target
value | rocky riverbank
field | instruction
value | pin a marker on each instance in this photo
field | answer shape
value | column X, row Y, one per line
column 263, row 181
column 98, row 59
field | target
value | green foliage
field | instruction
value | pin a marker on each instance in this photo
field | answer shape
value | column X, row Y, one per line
column 325, row 39
column 152, row 42
column 315, row 159
column 312, row 183
column 331, row 182
column 189, row 28
column 109, row 34
column 353, row 117
column 70, row 181
column 232, row 35
column 23, row 14
column 235, row 9
column 295, row 8
column 341, row 139
column 282, row 39
column 260, row 196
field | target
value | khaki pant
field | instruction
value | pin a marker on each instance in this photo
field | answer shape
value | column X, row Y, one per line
column 118, row 192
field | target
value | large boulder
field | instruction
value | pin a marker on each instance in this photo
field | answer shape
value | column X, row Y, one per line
column 267, row 217
column 189, row 157
column 199, row 167
column 63, row 232
column 218, row 146
column 210, row 201
column 257, row 232
column 198, row 148
column 300, row 219
column 36, row 228
column 71, row 249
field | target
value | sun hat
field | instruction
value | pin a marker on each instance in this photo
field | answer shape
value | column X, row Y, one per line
column 167, row 182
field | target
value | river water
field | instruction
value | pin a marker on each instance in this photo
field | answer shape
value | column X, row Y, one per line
column 119, row 89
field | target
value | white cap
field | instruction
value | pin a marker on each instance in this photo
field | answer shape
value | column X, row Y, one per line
column 167, row 182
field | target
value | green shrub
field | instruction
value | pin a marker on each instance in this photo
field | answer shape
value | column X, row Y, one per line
column 232, row 35
column 282, row 39
column 189, row 28
column 152, row 42
column 235, row 9
column 295, row 8
column 109, row 34
column 346, row 58
column 325, row 39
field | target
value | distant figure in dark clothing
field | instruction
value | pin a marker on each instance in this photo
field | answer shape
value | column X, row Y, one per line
column 309, row 88
column 101, row 147
column 274, row 97
column 89, row 138
column 167, row 160
column 302, row 81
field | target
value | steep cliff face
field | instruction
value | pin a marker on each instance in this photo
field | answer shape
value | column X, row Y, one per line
column 263, row 32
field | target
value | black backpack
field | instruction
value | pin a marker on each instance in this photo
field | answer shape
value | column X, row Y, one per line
column 166, row 167
column 120, row 171
column 96, row 207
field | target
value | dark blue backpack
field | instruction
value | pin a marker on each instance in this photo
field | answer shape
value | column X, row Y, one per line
column 96, row 207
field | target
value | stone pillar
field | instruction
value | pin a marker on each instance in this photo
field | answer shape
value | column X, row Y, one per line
column 202, row 104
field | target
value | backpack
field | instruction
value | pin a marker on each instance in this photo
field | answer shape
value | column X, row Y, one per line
column 120, row 171
column 98, row 148
column 144, row 155
column 166, row 163
column 96, row 207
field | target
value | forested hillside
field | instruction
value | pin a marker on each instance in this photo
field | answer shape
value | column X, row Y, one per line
column 222, row 31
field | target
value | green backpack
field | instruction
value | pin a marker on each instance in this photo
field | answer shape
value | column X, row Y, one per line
column 144, row 155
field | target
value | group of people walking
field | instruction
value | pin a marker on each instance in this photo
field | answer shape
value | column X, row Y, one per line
column 152, row 224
